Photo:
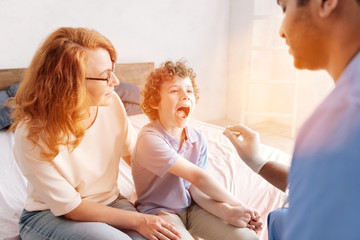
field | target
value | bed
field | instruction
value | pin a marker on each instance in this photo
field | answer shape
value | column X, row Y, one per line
column 224, row 162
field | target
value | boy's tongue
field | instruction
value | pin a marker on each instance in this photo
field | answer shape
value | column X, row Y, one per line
column 181, row 113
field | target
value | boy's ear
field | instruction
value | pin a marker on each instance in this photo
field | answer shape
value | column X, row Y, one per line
column 153, row 103
column 326, row 7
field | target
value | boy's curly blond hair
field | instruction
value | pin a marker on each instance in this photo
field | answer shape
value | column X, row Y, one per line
column 166, row 72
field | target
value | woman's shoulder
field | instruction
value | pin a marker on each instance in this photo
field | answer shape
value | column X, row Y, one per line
column 115, row 108
column 116, row 101
column 22, row 131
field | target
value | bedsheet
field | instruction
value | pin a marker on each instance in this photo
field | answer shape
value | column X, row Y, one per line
column 224, row 163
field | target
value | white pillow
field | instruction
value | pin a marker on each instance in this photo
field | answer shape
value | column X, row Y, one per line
column 12, row 188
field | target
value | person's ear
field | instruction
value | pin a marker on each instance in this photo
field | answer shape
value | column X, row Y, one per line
column 153, row 102
column 327, row 7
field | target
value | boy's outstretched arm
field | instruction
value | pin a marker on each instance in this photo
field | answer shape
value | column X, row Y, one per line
column 203, row 180
column 239, row 216
column 206, row 183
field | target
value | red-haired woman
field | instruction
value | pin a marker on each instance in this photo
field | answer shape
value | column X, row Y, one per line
column 71, row 131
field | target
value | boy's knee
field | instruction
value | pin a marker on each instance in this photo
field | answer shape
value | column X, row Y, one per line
column 241, row 234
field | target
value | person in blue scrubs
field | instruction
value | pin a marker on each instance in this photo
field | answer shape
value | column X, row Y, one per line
column 324, row 200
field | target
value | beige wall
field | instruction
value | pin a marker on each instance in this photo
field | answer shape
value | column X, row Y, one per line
column 214, row 36
column 301, row 93
column 141, row 30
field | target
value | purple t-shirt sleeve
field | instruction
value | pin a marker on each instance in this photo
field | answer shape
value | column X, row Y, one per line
column 154, row 154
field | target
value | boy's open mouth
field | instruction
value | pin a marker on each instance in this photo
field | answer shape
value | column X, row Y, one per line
column 183, row 111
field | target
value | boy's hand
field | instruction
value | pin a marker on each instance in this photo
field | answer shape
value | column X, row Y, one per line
column 242, row 216
column 256, row 223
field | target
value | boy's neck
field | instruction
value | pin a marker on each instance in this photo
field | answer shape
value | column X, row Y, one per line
column 176, row 132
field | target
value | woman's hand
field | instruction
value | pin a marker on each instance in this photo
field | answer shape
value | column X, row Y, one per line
column 157, row 228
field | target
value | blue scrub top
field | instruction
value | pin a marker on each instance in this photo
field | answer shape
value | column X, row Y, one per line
column 324, row 178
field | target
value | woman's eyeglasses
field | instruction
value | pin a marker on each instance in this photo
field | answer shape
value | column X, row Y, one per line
column 108, row 79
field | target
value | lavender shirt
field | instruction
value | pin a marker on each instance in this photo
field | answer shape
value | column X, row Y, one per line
column 155, row 153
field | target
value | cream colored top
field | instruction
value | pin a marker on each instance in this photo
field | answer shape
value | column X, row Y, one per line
column 89, row 172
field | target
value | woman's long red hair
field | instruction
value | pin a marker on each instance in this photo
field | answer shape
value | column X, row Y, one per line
column 52, row 100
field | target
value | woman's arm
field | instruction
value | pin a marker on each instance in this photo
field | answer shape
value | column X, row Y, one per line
column 150, row 226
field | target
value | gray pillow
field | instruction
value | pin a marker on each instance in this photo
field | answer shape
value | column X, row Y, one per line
column 130, row 95
column 132, row 108
column 4, row 110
